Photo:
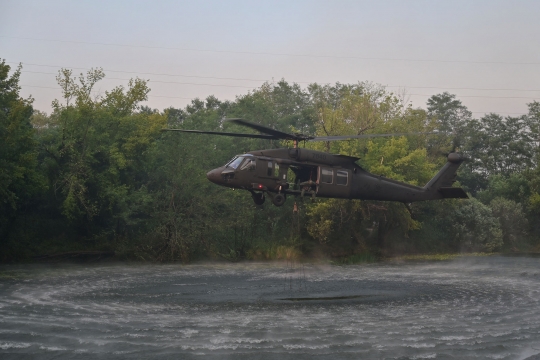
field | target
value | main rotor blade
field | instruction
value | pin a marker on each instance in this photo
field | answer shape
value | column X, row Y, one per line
column 255, row 136
column 276, row 134
column 364, row 136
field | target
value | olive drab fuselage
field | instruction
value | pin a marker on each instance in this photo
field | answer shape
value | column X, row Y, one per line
column 304, row 172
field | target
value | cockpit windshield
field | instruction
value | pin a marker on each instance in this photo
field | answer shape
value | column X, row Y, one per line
column 236, row 161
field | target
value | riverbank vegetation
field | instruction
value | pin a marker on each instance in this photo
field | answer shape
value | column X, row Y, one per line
column 97, row 174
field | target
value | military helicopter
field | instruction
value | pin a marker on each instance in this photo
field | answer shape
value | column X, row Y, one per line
column 278, row 173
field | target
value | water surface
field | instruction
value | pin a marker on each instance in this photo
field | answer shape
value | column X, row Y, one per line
column 468, row 308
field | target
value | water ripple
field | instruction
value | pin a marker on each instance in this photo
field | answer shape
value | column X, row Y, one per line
column 469, row 308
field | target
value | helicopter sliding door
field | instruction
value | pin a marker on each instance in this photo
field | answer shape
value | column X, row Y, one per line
column 273, row 170
column 272, row 174
column 334, row 182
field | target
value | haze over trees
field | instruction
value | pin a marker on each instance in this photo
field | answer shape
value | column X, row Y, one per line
column 98, row 174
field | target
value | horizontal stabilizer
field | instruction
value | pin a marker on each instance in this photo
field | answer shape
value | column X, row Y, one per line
column 453, row 193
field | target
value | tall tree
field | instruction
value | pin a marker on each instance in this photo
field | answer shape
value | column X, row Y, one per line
column 19, row 179
column 451, row 118
column 532, row 120
column 500, row 145
column 95, row 162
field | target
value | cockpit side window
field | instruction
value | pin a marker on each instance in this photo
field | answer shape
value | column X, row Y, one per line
column 248, row 164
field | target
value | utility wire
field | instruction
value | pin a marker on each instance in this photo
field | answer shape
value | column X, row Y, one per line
column 58, row 88
column 456, row 88
column 275, row 54
column 487, row 97
column 192, row 98
column 245, row 79
column 476, row 96
column 159, row 81
column 134, row 72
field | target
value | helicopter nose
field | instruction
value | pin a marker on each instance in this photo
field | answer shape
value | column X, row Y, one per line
column 214, row 175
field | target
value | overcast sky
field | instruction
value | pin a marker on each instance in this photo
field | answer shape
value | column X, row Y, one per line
column 485, row 52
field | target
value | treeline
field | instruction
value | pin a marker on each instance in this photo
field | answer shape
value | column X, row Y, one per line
column 98, row 174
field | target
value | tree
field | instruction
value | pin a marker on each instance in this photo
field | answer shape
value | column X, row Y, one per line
column 19, row 179
column 451, row 118
column 473, row 227
column 515, row 187
column 532, row 120
column 333, row 219
column 117, row 182
column 95, row 160
column 498, row 145
column 513, row 222
column 393, row 158
column 364, row 109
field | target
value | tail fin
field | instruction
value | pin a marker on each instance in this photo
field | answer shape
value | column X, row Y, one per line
column 440, row 186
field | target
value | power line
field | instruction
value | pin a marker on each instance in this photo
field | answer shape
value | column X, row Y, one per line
column 496, row 112
column 135, row 72
column 244, row 79
column 487, row 97
column 452, row 88
column 58, row 88
column 191, row 98
column 475, row 96
column 160, row 81
column 275, row 54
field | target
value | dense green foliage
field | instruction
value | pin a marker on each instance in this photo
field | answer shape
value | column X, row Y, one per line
column 98, row 174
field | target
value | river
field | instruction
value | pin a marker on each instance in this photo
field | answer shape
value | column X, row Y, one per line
column 467, row 308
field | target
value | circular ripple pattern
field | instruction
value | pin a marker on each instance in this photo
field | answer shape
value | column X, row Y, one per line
column 469, row 308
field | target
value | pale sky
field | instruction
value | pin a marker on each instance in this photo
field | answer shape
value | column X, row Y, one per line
column 485, row 52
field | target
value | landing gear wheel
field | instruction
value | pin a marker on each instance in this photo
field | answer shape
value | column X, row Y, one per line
column 258, row 199
column 278, row 199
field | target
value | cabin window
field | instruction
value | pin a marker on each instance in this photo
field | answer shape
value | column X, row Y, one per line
column 269, row 171
column 342, row 177
column 327, row 176
column 276, row 170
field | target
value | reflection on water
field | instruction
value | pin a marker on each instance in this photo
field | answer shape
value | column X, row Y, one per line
column 485, row 307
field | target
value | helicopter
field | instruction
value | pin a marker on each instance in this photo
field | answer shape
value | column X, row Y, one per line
column 278, row 173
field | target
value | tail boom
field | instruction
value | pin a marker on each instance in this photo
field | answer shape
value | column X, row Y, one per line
column 372, row 187
column 440, row 187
